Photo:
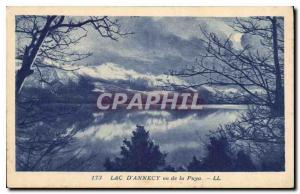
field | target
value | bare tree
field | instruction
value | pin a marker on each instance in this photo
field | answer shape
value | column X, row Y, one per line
column 256, row 125
column 258, row 133
column 271, row 31
column 248, row 68
column 50, row 38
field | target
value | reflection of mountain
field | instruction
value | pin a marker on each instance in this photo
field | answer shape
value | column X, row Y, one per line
column 178, row 133
column 86, row 83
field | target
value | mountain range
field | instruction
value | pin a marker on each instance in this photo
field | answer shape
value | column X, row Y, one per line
column 87, row 82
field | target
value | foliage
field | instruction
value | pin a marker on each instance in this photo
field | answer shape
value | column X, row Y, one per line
column 138, row 154
column 220, row 158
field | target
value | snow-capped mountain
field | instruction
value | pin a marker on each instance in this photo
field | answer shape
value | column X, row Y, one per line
column 110, row 77
column 105, row 73
column 110, row 72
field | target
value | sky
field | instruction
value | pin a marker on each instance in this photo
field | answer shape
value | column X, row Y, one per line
column 158, row 45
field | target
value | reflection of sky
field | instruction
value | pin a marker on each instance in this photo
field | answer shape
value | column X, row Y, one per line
column 179, row 133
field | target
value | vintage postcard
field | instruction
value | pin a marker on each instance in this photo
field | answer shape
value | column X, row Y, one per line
column 150, row 97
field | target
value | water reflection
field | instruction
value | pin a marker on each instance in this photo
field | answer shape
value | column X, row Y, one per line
column 179, row 133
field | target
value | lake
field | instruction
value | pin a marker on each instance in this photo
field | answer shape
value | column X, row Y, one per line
column 181, row 134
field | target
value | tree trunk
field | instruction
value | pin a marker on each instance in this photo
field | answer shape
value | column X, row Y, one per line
column 30, row 54
column 20, row 78
column 278, row 105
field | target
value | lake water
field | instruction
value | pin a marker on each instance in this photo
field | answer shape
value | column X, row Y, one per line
column 181, row 134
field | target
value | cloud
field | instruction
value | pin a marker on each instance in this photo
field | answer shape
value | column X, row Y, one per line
column 105, row 71
column 157, row 45
column 236, row 39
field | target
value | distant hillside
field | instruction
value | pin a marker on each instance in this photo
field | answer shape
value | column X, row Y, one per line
column 85, row 84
